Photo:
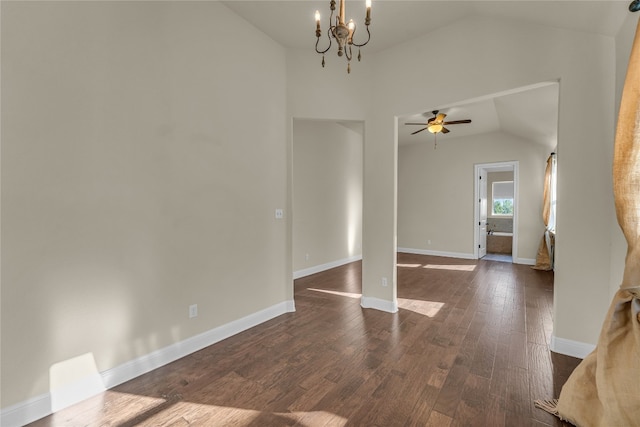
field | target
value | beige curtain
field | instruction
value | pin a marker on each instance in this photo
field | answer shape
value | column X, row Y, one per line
column 604, row 390
column 543, row 258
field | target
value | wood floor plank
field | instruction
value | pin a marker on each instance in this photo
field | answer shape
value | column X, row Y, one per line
column 451, row 392
column 438, row 420
column 474, row 400
column 468, row 346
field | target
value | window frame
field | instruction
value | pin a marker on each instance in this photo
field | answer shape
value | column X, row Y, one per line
column 493, row 201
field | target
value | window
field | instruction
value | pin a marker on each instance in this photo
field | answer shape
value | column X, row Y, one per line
column 502, row 198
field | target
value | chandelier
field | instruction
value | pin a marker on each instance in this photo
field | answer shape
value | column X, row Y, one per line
column 342, row 32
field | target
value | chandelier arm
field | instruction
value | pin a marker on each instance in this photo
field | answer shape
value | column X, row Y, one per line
column 329, row 32
column 347, row 52
column 368, row 38
column 318, row 41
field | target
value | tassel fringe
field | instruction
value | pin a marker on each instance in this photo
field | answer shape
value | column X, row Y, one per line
column 550, row 406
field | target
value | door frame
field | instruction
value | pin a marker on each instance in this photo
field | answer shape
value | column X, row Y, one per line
column 496, row 167
column 483, row 174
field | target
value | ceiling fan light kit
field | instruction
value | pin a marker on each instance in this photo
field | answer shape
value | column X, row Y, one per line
column 435, row 128
column 436, row 124
column 342, row 32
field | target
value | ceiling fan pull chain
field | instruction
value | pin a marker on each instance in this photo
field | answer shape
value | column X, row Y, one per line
column 322, row 61
column 435, row 141
column 348, row 67
column 359, row 56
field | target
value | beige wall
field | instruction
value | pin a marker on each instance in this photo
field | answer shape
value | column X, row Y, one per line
column 521, row 54
column 436, row 191
column 407, row 79
column 143, row 156
column 133, row 185
column 327, row 192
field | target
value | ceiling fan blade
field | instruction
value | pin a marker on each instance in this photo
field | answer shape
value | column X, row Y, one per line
column 430, row 120
column 445, row 130
column 421, row 124
column 440, row 117
column 413, row 133
column 456, row 122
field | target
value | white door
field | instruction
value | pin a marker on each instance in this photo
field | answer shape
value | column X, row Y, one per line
column 482, row 213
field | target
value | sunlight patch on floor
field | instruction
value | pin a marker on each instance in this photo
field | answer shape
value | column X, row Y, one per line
column 409, row 265
column 167, row 411
column 452, row 267
column 342, row 294
column 426, row 308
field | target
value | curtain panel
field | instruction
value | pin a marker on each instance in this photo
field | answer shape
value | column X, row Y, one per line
column 544, row 257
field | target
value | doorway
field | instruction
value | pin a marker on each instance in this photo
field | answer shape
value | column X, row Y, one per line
column 327, row 183
column 496, row 211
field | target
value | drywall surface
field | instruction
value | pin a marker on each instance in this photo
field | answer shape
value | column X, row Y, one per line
column 436, row 191
column 143, row 157
column 327, row 193
column 409, row 79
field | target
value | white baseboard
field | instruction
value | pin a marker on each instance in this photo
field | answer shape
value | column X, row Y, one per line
column 379, row 304
column 43, row 405
column 76, row 391
column 571, row 348
column 461, row 255
column 26, row 412
column 524, row 261
column 322, row 267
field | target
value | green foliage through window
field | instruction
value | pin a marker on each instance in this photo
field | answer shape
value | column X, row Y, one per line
column 503, row 206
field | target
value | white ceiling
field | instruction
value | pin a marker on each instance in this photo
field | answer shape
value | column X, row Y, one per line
column 291, row 22
column 531, row 114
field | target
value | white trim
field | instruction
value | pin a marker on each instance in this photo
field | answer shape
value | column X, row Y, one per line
column 26, row 412
column 437, row 253
column 38, row 407
column 379, row 304
column 322, row 267
column 515, row 164
column 76, row 391
column 524, row 261
column 571, row 348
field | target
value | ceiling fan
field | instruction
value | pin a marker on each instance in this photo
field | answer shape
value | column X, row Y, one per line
column 436, row 123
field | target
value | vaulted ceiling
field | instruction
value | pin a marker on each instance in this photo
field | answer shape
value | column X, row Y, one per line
column 530, row 114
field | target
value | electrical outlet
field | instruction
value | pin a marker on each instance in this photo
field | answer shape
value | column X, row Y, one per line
column 429, row 242
column 193, row 311
column 279, row 214
column 384, row 281
column 306, row 257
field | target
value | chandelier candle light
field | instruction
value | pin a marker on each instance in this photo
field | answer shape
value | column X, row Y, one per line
column 343, row 33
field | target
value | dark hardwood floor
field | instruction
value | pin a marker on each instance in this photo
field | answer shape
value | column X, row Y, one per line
column 468, row 347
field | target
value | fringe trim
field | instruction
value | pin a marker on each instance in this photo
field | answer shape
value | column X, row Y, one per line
column 550, row 406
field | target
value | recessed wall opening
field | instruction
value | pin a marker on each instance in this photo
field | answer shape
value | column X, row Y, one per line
column 512, row 132
column 327, row 182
